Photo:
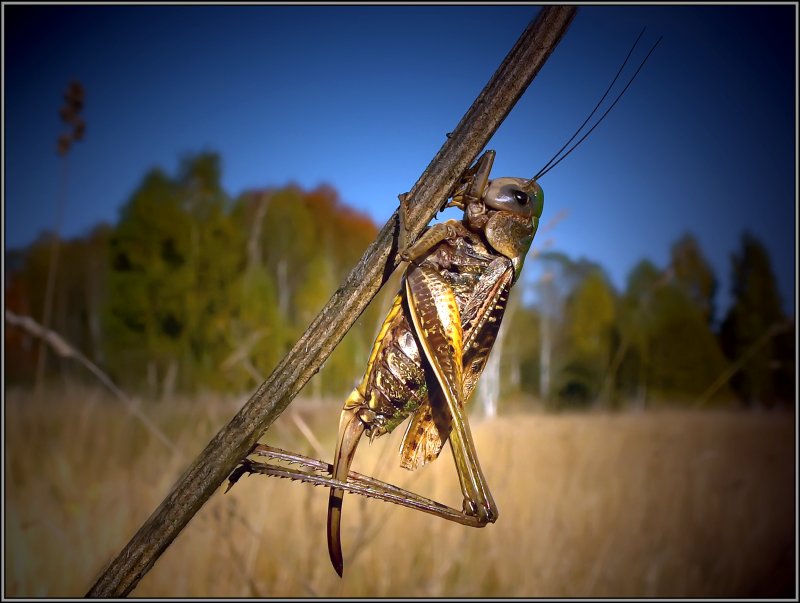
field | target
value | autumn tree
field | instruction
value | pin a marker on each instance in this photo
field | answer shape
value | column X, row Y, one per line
column 77, row 293
column 300, row 245
column 255, row 324
column 191, row 291
column 19, row 359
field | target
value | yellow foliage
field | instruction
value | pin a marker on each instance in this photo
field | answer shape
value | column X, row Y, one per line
column 592, row 315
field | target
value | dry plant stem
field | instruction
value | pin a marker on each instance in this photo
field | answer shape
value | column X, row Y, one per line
column 66, row 350
column 236, row 439
column 52, row 270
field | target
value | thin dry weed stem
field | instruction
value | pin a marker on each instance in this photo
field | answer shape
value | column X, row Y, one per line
column 65, row 350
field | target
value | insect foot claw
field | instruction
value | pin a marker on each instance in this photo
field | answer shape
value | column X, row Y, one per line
column 482, row 513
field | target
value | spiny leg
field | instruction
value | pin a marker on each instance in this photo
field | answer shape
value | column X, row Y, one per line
column 356, row 483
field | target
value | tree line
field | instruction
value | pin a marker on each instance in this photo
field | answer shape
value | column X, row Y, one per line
column 194, row 290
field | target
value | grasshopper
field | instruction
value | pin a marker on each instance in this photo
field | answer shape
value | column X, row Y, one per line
column 433, row 346
column 436, row 338
column 430, row 351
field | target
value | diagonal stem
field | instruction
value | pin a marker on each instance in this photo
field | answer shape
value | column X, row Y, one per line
column 428, row 195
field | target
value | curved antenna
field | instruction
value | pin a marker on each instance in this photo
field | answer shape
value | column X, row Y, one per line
column 616, row 100
column 596, row 107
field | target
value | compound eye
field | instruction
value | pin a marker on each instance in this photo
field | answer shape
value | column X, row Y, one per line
column 520, row 197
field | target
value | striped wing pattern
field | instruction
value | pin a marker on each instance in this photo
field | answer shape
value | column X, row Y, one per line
column 429, row 427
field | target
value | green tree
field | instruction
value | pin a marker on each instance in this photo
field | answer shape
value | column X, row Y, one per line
column 576, row 308
column 667, row 349
column 590, row 315
column 694, row 275
column 684, row 355
column 756, row 308
column 632, row 358
column 175, row 257
column 289, row 242
column 148, row 251
column 523, row 361
column 214, row 261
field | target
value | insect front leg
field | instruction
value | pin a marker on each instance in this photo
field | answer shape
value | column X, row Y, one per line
column 437, row 233
column 469, row 189
column 473, row 183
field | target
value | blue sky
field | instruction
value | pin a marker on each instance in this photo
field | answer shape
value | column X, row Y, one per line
column 361, row 98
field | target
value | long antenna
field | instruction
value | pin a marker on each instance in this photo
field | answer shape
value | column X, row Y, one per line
column 597, row 106
column 546, row 169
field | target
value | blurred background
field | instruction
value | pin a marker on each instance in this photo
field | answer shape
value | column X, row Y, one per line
column 185, row 187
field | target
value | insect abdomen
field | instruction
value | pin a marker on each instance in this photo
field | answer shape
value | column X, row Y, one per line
column 395, row 384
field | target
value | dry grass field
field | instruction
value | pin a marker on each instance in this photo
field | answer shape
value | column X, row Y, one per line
column 660, row 504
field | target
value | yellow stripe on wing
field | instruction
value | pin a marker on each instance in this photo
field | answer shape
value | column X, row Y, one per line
column 437, row 321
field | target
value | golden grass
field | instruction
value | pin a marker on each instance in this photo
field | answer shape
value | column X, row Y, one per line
column 667, row 504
